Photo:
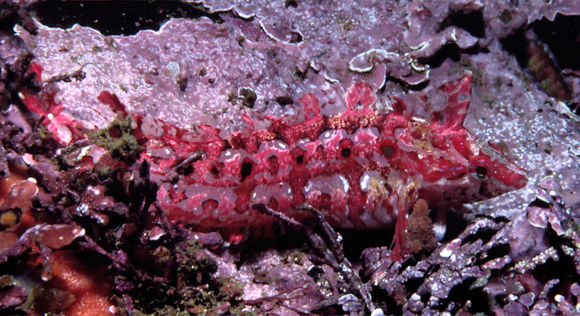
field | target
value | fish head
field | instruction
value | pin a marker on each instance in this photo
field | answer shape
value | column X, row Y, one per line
column 447, row 162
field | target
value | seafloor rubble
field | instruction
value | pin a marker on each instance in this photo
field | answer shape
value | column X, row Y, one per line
column 82, row 231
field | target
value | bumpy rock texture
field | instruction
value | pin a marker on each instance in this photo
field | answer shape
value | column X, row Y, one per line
column 513, row 254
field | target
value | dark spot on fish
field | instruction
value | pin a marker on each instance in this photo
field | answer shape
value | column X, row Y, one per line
column 388, row 150
column 246, row 170
column 345, row 147
column 300, row 159
column 298, row 154
column 216, row 169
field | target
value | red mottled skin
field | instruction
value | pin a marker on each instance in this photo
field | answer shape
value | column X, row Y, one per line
column 360, row 168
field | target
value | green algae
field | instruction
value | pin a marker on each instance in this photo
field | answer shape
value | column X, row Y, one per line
column 118, row 139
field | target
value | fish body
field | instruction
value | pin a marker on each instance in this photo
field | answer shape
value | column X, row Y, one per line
column 362, row 168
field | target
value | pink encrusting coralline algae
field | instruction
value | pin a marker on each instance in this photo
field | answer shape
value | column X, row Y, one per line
column 361, row 168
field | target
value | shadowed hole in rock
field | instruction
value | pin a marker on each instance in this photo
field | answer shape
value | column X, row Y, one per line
column 315, row 272
column 284, row 100
column 455, row 224
column 548, row 52
column 481, row 302
column 516, row 44
column 357, row 240
column 472, row 22
column 562, row 46
column 541, row 203
column 390, row 302
column 184, row 165
column 295, row 38
column 562, row 37
column 485, row 234
column 496, row 252
column 449, row 50
column 290, row 3
column 413, row 284
column 564, row 269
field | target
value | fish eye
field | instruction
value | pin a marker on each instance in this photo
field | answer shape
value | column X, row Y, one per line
column 480, row 173
column 480, row 167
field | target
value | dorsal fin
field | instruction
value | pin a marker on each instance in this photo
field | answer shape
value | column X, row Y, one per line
column 458, row 99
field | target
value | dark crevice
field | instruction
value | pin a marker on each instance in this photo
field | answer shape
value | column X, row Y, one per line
column 494, row 253
column 563, row 39
column 455, row 225
column 480, row 302
column 544, row 50
column 290, row 3
column 295, row 37
column 356, row 240
column 117, row 17
column 563, row 269
column 541, row 203
column 472, row 22
column 516, row 45
column 387, row 301
column 450, row 51
column 413, row 284
column 485, row 234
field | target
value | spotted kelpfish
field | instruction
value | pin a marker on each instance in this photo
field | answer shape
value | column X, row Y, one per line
column 362, row 168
